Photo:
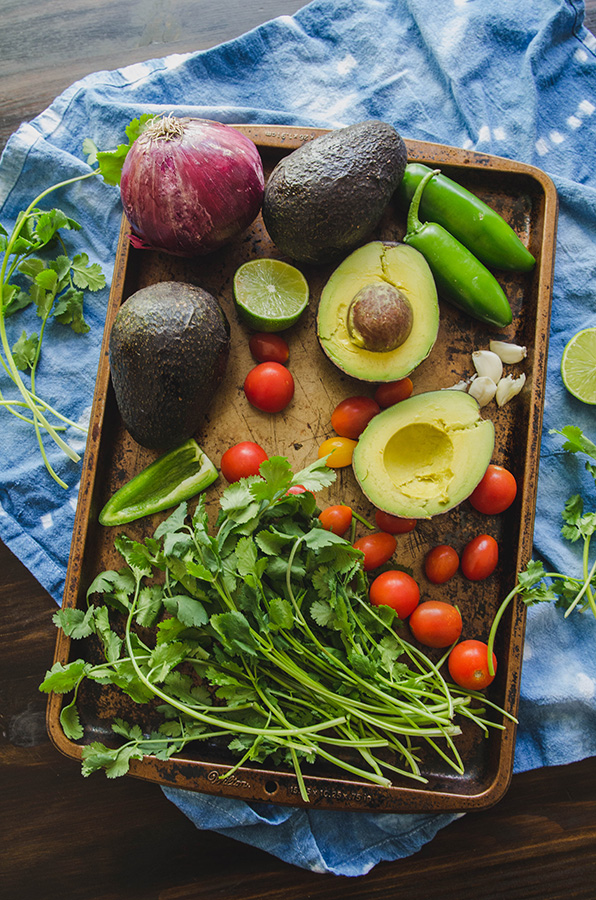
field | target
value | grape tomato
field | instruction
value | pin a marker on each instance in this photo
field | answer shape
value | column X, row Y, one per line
column 394, row 524
column 393, row 392
column 242, row 460
column 337, row 519
column 341, row 450
column 468, row 665
column 441, row 563
column 396, row 589
column 269, row 386
column 378, row 548
column 351, row 416
column 480, row 557
column 495, row 492
column 267, row 347
column 435, row 623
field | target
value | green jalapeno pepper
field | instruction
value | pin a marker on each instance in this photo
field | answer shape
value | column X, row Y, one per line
column 175, row 476
column 479, row 227
column 460, row 278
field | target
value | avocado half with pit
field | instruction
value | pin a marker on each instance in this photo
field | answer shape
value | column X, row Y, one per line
column 424, row 455
column 378, row 315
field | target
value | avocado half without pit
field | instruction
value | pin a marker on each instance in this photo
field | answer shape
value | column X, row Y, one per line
column 378, row 315
column 424, row 455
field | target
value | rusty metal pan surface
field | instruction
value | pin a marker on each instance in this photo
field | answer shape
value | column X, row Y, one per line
column 526, row 197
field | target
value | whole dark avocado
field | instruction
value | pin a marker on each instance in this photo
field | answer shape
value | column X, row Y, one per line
column 168, row 352
column 325, row 198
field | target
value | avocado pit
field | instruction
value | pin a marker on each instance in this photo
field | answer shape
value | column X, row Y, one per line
column 380, row 317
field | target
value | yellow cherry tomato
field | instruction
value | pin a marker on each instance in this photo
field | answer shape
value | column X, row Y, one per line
column 341, row 450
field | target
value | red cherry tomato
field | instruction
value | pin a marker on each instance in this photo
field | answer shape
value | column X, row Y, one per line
column 378, row 549
column 242, row 460
column 397, row 590
column 269, row 348
column 480, row 557
column 441, row 563
column 468, row 665
column 269, row 387
column 436, row 624
column 297, row 489
column 352, row 415
column 393, row 391
column 341, row 450
column 394, row 524
column 496, row 491
column 336, row 519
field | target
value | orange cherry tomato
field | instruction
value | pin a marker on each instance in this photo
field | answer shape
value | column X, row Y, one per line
column 441, row 563
column 395, row 589
column 495, row 492
column 336, row 518
column 480, row 557
column 394, row 524
column 341, row 450
column 393, row 391
column 352, row 415
column 468, row 665
column 378, row 548
column 435, row 623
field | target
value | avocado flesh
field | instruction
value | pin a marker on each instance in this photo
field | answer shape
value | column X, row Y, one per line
column 405, row 269
column 325, row 198
column 168, row 352
column 424, row 455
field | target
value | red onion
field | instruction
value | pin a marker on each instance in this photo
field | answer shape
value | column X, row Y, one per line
column 189, row 186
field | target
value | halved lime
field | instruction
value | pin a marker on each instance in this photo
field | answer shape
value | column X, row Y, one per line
column 578, row 365
column 270, row 294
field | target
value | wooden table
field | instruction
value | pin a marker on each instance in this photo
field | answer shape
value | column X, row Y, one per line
column 91, row 839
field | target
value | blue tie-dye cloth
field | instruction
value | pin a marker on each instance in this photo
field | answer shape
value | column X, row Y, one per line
column 514, row 79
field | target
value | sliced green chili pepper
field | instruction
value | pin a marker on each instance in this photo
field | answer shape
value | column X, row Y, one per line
column 460, row 278
column 175, row 476
column 477, row 226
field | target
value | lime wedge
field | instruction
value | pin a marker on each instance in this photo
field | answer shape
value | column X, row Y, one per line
column 270, row 294
column 578, row 365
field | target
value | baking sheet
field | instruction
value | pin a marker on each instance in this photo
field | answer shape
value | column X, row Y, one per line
column 526, row 197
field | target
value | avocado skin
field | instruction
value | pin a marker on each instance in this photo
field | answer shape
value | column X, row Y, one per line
column 168, row 353
column 325, row 198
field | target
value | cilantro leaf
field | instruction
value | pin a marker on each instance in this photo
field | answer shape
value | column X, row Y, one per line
column 60, row 679
column 24, row 351
column 87, row 275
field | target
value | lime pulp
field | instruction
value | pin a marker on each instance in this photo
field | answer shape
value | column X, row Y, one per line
column 578, row 365
column 270, row 295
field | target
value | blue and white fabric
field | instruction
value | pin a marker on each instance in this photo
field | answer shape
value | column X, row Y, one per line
column 513, row 79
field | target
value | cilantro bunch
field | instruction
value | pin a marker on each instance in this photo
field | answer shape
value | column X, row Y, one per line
column 55, row 287
column 568, row 592
column 261, row 636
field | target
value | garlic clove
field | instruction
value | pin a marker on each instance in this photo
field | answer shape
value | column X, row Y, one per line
column 508, row 388
column 483, row 389
column 508, row 353
column 488, row 364
column 459, row 386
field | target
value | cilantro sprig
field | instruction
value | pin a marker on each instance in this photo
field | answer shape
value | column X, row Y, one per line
column 262, row 637
column 568, row 592
column 55, row 288
column 29, row 276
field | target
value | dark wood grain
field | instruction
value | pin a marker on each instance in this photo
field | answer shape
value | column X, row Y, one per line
column 92, row 839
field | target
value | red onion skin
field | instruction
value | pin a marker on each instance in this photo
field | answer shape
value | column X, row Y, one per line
column 191, row 193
